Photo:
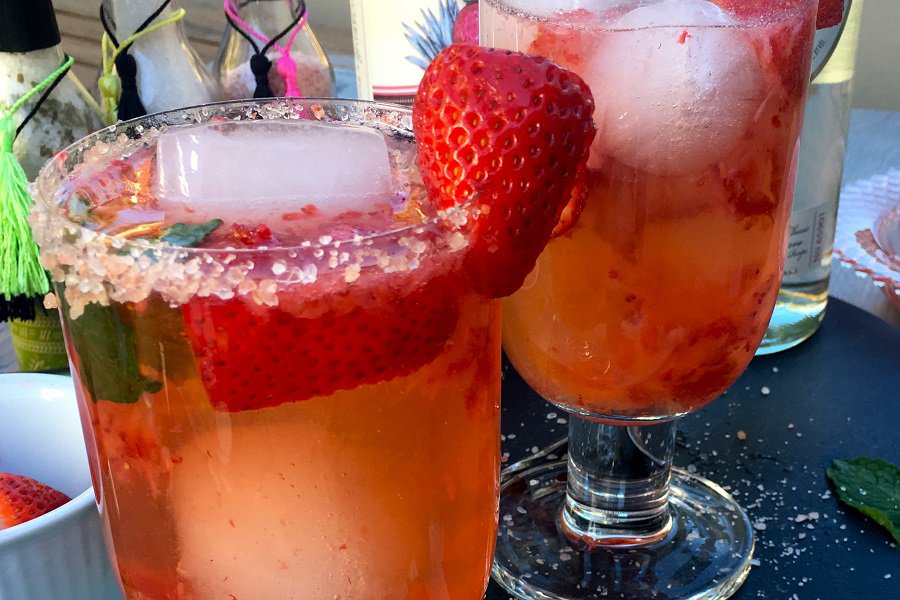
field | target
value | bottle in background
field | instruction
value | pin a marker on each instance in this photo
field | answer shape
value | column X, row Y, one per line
column 804, row 290
column 30, row 51
column 169, row 73
column 393, row 45
column 266, row 19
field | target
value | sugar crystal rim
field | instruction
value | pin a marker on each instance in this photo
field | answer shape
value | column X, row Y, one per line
column 57, row 170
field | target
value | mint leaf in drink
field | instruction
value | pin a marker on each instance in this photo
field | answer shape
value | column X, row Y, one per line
column 107, row 364
column 189, row 235
column 872, row 486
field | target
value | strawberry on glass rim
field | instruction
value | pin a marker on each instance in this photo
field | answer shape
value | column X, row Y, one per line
column 506, row 132
column 512, row 132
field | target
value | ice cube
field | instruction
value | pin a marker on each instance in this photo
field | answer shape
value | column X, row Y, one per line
column 676, row 87
column 256, row 171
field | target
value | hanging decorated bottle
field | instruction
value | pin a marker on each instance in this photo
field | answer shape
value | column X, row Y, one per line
column 269, row 49
column 43, row 109
column 148, row 64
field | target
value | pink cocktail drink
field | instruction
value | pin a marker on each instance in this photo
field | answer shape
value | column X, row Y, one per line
column 657, row 298
column 288, row 385
column 658, row 288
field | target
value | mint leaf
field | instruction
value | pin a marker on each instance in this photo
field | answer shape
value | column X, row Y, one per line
column 160, row 343
column 107, row 364
column 871, row 486
column 189, row 235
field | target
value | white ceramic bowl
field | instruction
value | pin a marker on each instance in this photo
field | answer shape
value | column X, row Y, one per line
column 60, row 555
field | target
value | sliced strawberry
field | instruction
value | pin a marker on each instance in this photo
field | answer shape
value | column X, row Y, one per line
column 251, row 358
column 513, row 132
column 831, row 13
column 22, row 499
column 572, row 210
column 252, row 237
column 465, row 27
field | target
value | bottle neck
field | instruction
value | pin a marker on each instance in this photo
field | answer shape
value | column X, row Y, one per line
column 268, row 17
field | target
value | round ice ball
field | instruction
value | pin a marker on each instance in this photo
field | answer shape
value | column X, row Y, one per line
column 675, row 87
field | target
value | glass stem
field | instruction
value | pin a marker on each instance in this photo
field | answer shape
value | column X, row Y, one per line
column 618, row 482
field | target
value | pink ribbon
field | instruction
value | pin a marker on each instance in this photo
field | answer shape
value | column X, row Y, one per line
column 285, row 64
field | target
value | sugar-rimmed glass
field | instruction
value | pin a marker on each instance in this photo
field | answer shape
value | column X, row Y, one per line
column 317, row 415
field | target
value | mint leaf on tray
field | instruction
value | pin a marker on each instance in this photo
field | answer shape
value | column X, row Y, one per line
column 872, row 486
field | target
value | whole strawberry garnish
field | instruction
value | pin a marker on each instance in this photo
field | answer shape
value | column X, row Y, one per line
column 317, row 342
column 465, row 27
column 512, row 132
column 22, row 499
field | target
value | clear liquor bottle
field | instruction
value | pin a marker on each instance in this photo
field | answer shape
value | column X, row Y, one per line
column 803, row 296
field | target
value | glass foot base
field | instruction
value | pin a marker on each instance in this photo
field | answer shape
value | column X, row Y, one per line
column 706, row 554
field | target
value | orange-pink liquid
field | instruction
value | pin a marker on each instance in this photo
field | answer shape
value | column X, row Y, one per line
column 388, row 490
column 655, row 302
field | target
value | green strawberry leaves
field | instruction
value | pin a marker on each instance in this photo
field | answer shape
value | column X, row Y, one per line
column 872, row 486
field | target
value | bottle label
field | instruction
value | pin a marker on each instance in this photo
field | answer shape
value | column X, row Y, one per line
column 829, row 27
column 394, row 46
column 810, row 242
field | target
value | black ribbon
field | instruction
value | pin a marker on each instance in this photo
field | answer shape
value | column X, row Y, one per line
column 37, row 105
column 260, row 65
column 23, row 307
column 130, row 105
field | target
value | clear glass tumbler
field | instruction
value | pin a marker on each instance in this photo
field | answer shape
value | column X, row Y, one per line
column 288, row 387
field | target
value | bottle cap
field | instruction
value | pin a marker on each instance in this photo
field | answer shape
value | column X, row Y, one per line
column 27, row 25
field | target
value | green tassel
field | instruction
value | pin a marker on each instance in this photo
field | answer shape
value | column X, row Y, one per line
column 22, row 278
